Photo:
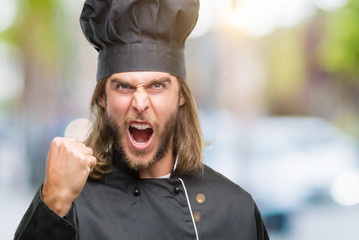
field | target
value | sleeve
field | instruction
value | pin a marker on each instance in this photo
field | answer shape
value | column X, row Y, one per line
column 262, row 233
column 40, row 222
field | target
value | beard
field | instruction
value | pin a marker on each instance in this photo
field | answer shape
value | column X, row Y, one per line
column 165, row 136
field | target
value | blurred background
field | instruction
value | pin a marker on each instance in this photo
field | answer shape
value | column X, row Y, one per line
column 277, row 87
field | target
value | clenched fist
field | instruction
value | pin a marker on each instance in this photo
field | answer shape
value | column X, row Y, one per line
column 69, row 164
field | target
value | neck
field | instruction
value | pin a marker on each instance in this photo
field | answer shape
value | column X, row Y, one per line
column 157, row 171
column 160, row 168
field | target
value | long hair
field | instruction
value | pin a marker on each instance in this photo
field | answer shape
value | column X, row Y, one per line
column 187, row 139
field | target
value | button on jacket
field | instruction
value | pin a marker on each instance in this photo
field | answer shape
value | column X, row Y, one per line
column 123, row 207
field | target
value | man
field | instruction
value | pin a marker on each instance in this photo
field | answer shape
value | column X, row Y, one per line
column 139, row 174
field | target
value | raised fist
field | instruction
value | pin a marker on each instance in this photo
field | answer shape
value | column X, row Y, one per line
column 69, row 164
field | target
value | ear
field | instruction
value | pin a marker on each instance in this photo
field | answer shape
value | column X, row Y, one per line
column 102, row 101
column 182, row 100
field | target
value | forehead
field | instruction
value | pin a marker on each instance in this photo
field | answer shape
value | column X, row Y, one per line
column 142, row 77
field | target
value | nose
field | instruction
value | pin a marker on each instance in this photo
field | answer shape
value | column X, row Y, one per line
column 140, row 101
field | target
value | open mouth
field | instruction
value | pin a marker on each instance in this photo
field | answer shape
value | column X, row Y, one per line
column 140, row 133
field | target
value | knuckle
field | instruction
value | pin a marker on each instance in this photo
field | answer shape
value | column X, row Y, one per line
column 56, row 142
column 85, row 160
column 94, row 160
column 67, row 146
column 82, row 158
column 89, row 150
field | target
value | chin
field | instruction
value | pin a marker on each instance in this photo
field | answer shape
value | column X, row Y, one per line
column 137, row 162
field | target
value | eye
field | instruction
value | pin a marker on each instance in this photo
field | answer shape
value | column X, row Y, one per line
column 157, row 85
column 123, row 86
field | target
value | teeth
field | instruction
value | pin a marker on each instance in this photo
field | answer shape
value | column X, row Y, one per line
column 139, row 143
column 140, row 126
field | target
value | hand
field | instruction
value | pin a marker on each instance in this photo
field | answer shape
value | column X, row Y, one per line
column 69, row 164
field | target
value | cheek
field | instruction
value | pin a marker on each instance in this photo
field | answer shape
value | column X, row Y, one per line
column 118, row 105
column 164, row 106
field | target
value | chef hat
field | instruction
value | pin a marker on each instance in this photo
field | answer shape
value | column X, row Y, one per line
column 139, row 35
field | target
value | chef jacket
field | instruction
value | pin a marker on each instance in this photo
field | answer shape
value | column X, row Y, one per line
column 202, row 205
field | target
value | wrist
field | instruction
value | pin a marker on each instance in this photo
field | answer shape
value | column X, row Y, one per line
column 58, row 202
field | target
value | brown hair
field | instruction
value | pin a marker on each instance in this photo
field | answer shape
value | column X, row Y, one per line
column 187, row 139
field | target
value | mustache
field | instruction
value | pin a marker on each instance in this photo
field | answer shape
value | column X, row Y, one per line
column 140, row 117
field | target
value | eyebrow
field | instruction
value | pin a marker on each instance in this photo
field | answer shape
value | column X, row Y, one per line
column 117, row 80
column 159, row 80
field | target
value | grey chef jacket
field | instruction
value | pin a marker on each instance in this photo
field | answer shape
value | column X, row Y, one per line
column 122, row 206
